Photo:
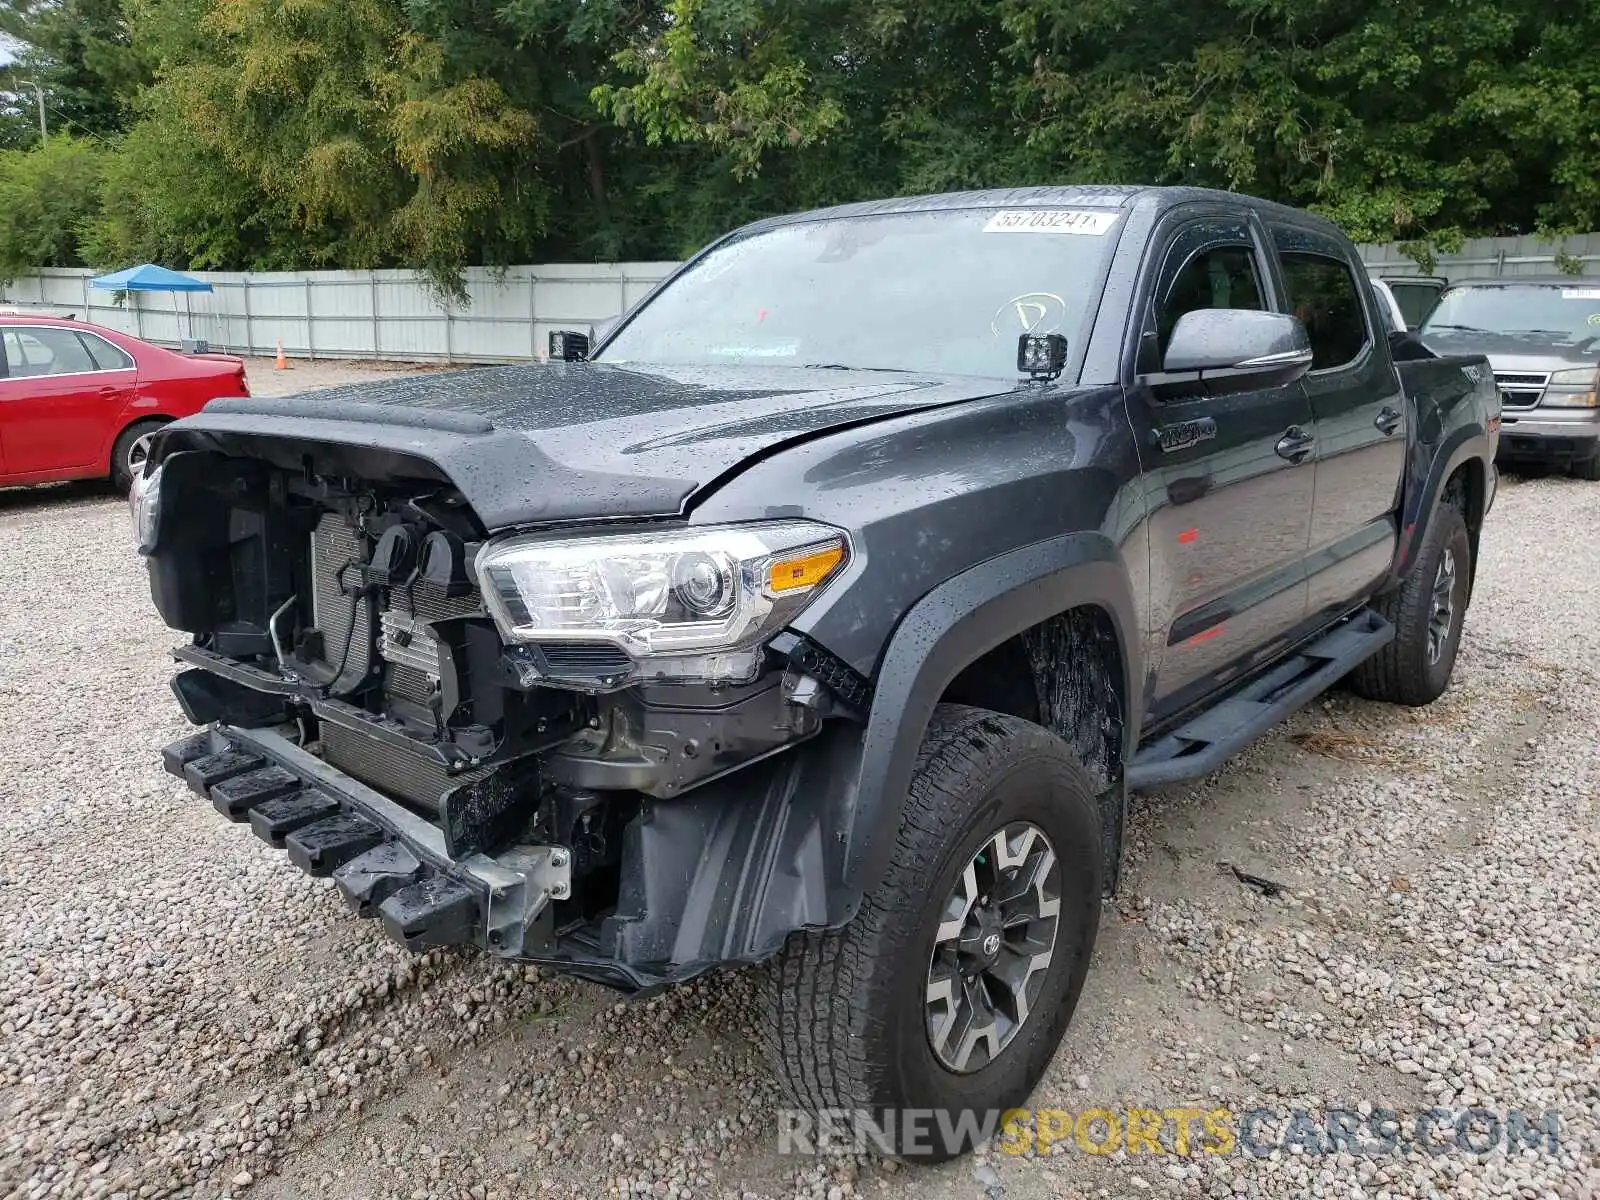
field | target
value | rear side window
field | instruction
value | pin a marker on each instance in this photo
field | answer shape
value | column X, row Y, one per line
column 1324, row 295
column 106, row 357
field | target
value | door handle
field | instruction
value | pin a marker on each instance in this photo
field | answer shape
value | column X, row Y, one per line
column 1388, row 420
column 1295, row 444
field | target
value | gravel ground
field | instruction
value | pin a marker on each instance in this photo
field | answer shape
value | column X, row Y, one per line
column 305, row 375
column 184, row 1013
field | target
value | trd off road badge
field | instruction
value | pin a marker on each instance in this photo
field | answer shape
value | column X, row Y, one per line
column 1184, row 434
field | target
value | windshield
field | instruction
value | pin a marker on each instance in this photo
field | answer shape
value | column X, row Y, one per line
column 1566, row 313
column 946, row 292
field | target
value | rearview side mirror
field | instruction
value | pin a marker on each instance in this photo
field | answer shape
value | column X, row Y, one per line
column 1237, row 345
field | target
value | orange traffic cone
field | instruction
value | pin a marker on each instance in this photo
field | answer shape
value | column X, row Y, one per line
column 283, row 363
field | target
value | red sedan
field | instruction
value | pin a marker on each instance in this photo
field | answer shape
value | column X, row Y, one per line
column 76, row 399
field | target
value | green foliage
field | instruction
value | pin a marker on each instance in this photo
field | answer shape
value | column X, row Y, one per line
column 82, row 52
column 725, row 77
column 46, row 196
column 441, row 133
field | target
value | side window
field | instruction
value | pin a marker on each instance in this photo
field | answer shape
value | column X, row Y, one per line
column 45, row 351
column 10, row 354
column 106, row 356
column 1324, row 295
column 1211, row 264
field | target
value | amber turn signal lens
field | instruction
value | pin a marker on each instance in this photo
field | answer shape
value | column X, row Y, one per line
column 802, row 571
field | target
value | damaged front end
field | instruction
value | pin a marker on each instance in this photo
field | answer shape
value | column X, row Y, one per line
column 565, row 746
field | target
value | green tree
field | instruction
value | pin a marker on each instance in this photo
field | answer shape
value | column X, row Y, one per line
column 82, row 51
column 1424, row 121
column 349, row 138
column 47, row 194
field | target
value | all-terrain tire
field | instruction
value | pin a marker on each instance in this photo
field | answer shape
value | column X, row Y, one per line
column 121, row 466
column 1415, row 668
column 847, row 1013
column 1587, row 469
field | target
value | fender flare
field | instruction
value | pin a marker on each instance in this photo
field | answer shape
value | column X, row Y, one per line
column 952, row 626
column 1460, row 445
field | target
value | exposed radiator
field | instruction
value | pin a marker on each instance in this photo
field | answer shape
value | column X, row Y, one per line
column 409, row 777
column 345, row 621
column 411, row 660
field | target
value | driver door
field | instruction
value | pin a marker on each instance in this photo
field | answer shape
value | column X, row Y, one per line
column 1229, row 497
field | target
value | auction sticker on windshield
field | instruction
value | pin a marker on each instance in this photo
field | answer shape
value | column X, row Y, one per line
column 1051, row 220
column 1588, row 293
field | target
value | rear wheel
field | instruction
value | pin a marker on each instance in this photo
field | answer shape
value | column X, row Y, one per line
column 129, row 453
column 953, row 986
column 1427, row 612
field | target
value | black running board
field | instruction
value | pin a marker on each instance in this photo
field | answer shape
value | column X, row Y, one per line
column 1200, row 746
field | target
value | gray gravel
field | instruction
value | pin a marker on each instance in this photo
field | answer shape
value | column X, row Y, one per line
column 183, row 1013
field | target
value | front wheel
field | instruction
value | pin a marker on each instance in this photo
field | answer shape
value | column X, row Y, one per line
column 938, row 1008
column 1426, row 611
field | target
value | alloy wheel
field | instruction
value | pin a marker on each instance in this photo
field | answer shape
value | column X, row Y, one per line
column 137, row 454
column 993, row 948
column 1441, row 617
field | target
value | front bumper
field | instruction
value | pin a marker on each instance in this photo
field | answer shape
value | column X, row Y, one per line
column 388, row 862
column 720, row 876
column 1549, row 433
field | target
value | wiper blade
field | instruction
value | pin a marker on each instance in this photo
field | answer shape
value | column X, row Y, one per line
column 845, row 367
column 1463, row 328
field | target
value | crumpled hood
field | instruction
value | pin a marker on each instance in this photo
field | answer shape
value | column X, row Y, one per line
column 567, row 441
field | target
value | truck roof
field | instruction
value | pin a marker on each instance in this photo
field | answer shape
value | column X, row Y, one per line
column 1088, row 195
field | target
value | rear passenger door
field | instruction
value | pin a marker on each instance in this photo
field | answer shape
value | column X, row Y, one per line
column 1230, row 507
column 1360, row 416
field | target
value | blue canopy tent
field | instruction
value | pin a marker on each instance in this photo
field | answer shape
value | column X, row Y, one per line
column 151, row 278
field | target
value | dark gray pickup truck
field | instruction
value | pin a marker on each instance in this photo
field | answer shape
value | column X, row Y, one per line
column 827, row 609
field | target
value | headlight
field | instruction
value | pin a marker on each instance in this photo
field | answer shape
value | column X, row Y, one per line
column 685, row 604
column 144, row 500
column 1575, row 388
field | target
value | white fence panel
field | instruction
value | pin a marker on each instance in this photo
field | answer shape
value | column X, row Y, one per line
column 511, row 313
column 1481, row 258
column 358, row 314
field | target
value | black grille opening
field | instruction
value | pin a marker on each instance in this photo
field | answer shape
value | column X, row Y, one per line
column 586, row 658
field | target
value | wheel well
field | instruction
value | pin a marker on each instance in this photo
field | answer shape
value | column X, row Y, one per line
column 1065, row 673
column 1467, row 490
